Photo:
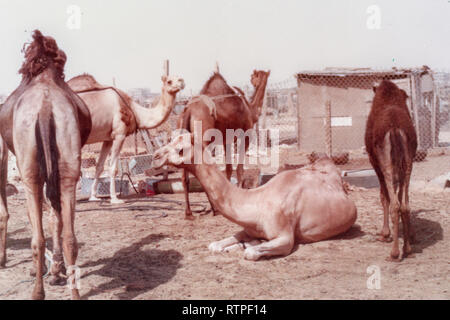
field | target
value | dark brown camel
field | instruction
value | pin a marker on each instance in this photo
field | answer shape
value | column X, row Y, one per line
column 225, row 109
column 391, row 143
column 45, row 124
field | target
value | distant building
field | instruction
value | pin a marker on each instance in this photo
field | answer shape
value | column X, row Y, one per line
column 143, row 96
column 350, row 92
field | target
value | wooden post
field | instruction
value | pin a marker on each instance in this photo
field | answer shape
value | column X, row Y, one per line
column 328, row 143
column 298, row 120
column 166, row 68
column 415, row 104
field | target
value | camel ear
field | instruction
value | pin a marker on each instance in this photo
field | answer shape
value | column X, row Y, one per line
column 374, row 88
column 164, row 78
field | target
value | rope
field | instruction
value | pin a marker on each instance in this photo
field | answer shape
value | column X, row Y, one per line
column 48, row 257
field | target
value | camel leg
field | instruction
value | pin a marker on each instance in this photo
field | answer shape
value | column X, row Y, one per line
column 69, row 241
column 106, row 147
column 384, row 155
column 4, row 216
column 240, row 174
column 405, row 210
column 58, row 260
column 229, row 170
column 220, row 246
column 33, row 192
column 185, row 180
column 385, row 231
column 114, row 161
column 281, row 246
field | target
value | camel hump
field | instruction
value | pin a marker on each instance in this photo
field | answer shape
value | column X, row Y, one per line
column 84, row 82
column 210, row 104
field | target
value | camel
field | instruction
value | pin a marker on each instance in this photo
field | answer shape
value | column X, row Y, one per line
column 391, row 143
column 222, row 108
column 305, row 205
column 45, row 124
column 115, row 116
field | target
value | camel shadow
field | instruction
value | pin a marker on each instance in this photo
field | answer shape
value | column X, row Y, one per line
column 354, row 232
column 427, row 232
column 137, row 269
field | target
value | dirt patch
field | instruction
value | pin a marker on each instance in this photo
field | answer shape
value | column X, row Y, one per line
column 144, row 249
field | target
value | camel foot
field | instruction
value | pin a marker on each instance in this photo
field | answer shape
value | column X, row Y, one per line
column 393, row 259
column 117, row 201
column 58, row 281
column 215, row 247
column 2, row 263
column 189, row 217
column 382, row 238
column 409, row 255
column 94, row 198
column 38, row 294
column 75, row 295
column 251, row 254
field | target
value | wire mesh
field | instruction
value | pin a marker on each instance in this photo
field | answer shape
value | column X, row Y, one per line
column 315, row 113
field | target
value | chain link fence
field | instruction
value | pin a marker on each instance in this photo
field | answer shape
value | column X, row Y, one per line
column 314, row 113
column 326, row 113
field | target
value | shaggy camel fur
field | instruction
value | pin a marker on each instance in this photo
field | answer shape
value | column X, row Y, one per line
column 307, row 204
column 115, row 116
column 45, row 125
column 391, row 143
column 220, row 107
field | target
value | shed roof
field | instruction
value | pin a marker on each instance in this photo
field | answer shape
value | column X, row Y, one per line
column 393, row 73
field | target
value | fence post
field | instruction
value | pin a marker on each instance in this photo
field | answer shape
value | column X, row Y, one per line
column 298, row 119
column 166, row 68
column 328, row 142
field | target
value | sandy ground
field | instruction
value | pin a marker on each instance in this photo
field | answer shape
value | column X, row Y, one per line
column 144, row 249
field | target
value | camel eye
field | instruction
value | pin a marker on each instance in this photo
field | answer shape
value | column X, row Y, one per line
column 169, row 82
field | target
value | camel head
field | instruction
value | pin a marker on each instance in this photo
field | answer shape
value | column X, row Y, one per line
column 172, row 84
column 177, row 153
column 390, row 93
column 259, row 77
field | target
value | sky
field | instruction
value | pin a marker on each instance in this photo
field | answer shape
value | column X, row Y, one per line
column 129, row 40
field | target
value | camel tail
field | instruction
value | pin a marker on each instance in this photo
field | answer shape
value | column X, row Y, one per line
column 47, row 155
column 398, row 152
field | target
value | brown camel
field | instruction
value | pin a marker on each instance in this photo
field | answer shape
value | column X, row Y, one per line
column 220, row 107
column 45, row 124
column 115, row 116
column 391, row 143
column 305, row 205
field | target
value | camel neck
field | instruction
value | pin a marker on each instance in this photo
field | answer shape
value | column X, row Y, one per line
column 224, row 196
column 149, row 118
column 257, row 100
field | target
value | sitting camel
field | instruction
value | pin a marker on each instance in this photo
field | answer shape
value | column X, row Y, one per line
column 115, row 116
column 307, row 204
column 391, row 143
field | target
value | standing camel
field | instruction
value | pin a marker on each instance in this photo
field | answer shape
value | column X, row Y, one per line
column 306, row 205
column 220, row 107
column 115, row 116
column 391, row 143
column 45, row 124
